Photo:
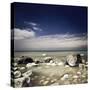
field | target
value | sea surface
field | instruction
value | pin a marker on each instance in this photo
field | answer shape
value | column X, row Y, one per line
column 48, row 53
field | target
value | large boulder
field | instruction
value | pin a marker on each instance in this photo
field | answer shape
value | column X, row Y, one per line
column 25, row 60
column 73, row 60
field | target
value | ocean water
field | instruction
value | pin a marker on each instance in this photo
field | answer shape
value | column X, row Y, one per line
column 49, row 53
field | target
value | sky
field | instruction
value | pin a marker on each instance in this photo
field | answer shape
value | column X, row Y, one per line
column 49, row 27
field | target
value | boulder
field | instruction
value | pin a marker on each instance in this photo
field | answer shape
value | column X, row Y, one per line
column 25, row 60
column 48, row 59
column 73, row 60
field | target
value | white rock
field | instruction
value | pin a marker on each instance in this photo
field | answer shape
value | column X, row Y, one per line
column 45, row 82
column 66, row 66
column 75, row 77
column 71, row 60
column 44, row 54
column 18, row 82
column 53, row 64
column 81, row 54
column 17, row 74
column 27, row 74
column 60, row 63
column 29, row 65
column 46, row 58
column 79, row 73
column 66, row 76
column 22, row 68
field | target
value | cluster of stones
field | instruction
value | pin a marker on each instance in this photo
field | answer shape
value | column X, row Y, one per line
column 22, row 79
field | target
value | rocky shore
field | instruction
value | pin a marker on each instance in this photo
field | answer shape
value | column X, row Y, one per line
column 27, row 72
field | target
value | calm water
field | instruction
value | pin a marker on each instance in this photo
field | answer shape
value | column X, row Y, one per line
column 59, row 53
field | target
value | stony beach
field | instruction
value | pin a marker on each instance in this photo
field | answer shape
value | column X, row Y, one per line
column 49, row 72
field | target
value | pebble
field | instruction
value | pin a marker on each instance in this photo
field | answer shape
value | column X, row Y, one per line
column 17, row 74
column 61, row 63
column 75, row 77
column 66, row 66
column 22, row 68
column 66, row 76
column 41, row 81
column 46, row 82
column 44, row 54
column 78, row 73
column 28, row 73
column 53, row 80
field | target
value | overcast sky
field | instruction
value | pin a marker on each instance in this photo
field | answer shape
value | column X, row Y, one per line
column 47, row 27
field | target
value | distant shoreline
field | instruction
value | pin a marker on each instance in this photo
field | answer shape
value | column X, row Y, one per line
column 51, row 51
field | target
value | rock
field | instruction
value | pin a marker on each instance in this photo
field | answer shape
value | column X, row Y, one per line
column 27, row 74
column 81, row 66
column 78, row 73
column 66, row 66
column 41, row 81
column 25, row 60
column 54, row 80
column 44, row 54
column 79, row 59
column 71, row 60
column 17, row 74
column 60, row 63
column 18, row 82
column 45, row 82
column 75, row 77
column 66, row 76
column 21, row 68
column 29, row 65
column 81, row 54
column 47, row 59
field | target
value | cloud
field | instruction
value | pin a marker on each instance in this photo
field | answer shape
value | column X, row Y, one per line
column 31, row 23
column 53, row 42
column 23, row 34
column 37, row 29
